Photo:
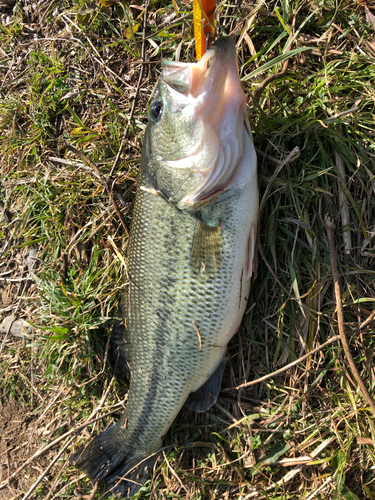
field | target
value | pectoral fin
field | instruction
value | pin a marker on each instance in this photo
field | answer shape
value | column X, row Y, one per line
column 206, row 249
column 206, row 396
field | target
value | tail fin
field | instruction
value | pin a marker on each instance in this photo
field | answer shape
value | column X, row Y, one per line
column 130, row 475
column 106, row 458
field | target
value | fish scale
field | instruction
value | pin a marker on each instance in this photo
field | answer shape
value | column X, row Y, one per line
column 170, row 346
column 190, row 258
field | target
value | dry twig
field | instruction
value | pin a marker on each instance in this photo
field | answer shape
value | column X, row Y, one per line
column 50, row 445
column 344, row 205
column 43, row 475
column 285, row 368
column 328, row 223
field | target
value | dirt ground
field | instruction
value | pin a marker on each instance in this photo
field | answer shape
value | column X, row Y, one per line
column 19, row 440
column 22, row 431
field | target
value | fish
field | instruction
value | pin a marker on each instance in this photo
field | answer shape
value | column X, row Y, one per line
column 191, row 255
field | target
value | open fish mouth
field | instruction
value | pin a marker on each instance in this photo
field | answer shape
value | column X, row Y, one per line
column 210, row 94
column 206, row 75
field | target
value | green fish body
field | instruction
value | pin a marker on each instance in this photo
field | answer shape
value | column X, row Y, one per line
column 190, row 259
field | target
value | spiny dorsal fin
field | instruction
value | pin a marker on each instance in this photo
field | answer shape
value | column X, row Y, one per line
column 206, row 249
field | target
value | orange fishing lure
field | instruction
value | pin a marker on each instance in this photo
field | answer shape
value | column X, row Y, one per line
column 203, row 11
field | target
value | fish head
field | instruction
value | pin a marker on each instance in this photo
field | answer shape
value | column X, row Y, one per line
column 197, row 126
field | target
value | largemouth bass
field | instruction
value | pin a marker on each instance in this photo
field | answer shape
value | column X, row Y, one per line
column 190, row 259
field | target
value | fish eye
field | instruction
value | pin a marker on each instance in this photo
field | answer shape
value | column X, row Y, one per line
column 156, row 109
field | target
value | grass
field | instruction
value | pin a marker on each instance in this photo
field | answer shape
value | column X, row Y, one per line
column 69, row 74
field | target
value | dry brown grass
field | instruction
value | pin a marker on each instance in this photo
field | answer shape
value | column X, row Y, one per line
column 72, row 104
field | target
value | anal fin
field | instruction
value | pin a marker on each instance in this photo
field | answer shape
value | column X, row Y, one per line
column 116, row 351
column 206, row 396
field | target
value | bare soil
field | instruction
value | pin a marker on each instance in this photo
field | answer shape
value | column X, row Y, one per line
column 20, row 434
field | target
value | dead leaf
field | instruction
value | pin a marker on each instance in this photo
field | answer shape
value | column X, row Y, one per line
column 128, row 32
column 370, row 18
column 364, row 440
